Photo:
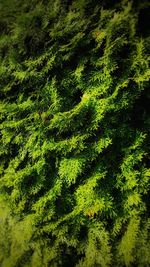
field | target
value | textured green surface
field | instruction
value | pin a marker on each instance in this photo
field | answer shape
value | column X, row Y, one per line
column 75, row 133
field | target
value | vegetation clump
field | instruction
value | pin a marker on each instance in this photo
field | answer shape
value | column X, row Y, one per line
column 75, row 133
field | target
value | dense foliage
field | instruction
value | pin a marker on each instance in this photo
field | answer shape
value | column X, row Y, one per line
column 75, row 133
